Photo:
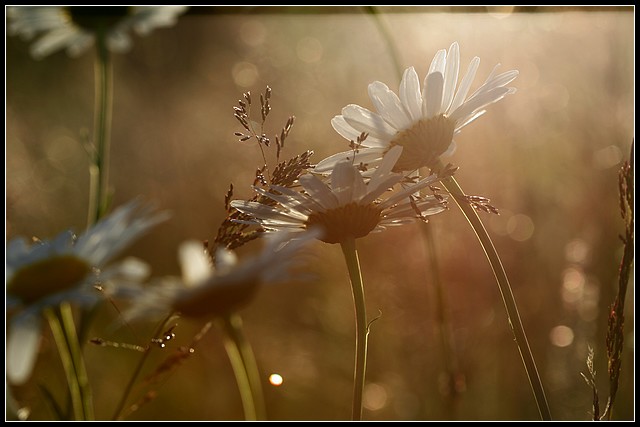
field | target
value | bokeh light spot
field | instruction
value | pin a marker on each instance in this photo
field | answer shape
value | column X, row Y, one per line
column 576, row 251
column 561, row 336
column 244, row 74
column 375, row 396
column 520, row 227
column 573, row 281
column 276, row 379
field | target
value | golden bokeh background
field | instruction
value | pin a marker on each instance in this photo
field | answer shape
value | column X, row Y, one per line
column 547, row 157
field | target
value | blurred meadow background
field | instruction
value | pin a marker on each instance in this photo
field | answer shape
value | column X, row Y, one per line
column 547, row 157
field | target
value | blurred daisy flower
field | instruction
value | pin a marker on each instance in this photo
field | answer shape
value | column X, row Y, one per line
column 208, row 289
column 75, row 28
column 45, row 273
column 423, row 122
column 347, row 208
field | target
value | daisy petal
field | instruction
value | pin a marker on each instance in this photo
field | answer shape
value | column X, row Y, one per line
column 80, row 44
column 347, row 183
column 438, row 63
column 432, row 96
column 479, row 101
column 367, row 121
column 260, row 211
column 319, row 191
column 389, row 106
column 382, row 186
column 342, row 178
column 465, row 85
column 410, row 94
column 450, row 150
column 22, row 347
column 194, row 262
column 384, row 169
column 366, row 156
column 451, row 76
column 460, row 125
column 341, row 126
column 53, row 41
column 295, row 203
column 302, row 202
column 497, row 81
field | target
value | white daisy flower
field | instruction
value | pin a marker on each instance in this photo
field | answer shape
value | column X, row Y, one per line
column 207, row 290
column 46, row 273
column 349, row 207
column 74, row 28
column 423, row 122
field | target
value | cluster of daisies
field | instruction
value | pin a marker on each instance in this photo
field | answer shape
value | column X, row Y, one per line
column 374, row 185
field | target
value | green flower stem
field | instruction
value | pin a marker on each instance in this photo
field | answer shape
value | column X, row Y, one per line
column 455, row 190
column 147, row 350
column 55, row 323
column 99, row 168
column 244, row 367
column 362, row 328
column 66, row 315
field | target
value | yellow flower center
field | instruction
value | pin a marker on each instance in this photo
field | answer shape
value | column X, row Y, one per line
column 47, row 277
column 423, row 143
column 216, row 300
column 351, row 220
column 94, row 18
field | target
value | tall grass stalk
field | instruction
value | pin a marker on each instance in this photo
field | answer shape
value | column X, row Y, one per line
column 615, row 332
column 99, row 167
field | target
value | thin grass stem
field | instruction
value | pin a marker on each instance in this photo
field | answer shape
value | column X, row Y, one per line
column 99, row 168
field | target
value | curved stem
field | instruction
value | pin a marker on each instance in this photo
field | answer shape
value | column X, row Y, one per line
column 99, row 168
column 136, row 372
column 362, row 328
column 455, row 190
column 55, row 323
column 244, row 368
